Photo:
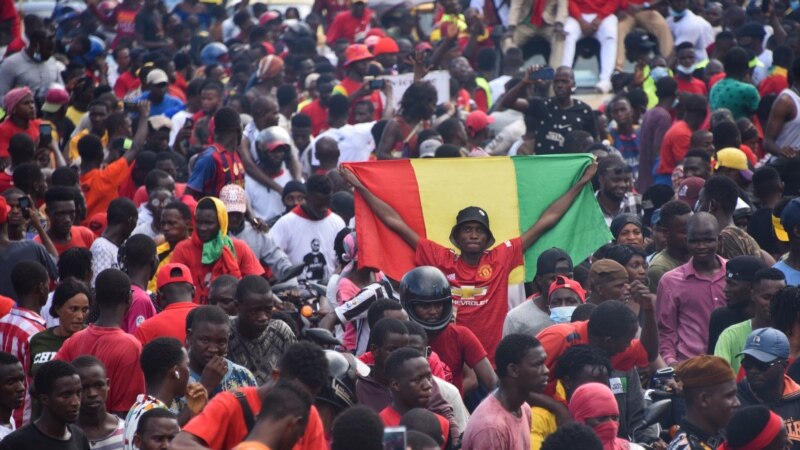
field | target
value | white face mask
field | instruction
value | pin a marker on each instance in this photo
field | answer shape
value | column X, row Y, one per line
column 686, row 70
column 562, row 314
column 659, row 72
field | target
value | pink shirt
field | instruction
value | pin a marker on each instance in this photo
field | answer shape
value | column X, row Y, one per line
column 492, row 426
column 684, row 302
column 141, row 309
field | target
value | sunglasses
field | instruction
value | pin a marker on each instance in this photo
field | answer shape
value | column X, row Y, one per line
column 750, row 363
column 619, row 170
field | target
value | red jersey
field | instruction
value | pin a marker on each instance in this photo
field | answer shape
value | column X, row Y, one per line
column 456, row 346
column 81, row 237
column 318, row 115
column 125, row 84
column 119, row 352
column 189, row 254
column 438, row 368
column 221, row 425
column 16, row 330
column 171, row 322
column 8, row 129
column 391, row 418
column 556, row 339
column 348, row 86
column 774, row 84
column 480, row 293
column 674, row 147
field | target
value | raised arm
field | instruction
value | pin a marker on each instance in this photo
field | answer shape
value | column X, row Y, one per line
column 380, row 208
column 512, row 100
column 556, row 210
column 141, row 132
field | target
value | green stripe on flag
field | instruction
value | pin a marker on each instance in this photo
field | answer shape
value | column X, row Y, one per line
column 540, row 181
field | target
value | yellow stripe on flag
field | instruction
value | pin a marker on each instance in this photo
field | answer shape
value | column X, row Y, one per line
column 447, row 186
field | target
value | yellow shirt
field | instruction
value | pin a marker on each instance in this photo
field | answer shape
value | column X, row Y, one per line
column 543, row 422
column 74, row 115
column 73, row 143
column 162, row 261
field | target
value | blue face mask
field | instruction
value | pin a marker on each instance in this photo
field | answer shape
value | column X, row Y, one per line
column 658, row 73
column 562, row 314
column 677, row 14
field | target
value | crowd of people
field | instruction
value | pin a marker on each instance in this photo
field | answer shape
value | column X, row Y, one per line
column 179, row 244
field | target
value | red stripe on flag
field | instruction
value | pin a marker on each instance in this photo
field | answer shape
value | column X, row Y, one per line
column 395, row 183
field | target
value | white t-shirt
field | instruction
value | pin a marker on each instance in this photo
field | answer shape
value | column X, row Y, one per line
column 355, row 142
column 104, row 256
column 309, row 241
column 692, row 28
column 266, row 202
column 5, row 430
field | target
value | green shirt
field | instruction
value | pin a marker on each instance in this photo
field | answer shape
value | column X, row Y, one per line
column 731, row 343
column 661, row 263
column 739, row 97
column 44, row 346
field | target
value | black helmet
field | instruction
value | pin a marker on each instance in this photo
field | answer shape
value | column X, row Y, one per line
column 426, row 284
column 340, row 390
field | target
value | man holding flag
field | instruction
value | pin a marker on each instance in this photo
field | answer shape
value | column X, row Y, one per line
column 478, row 276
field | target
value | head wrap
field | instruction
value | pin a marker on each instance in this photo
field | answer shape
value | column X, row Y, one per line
column 704, row 371
column 768, row 434
column 350, row 254
column 596, row 400
column 269, row 66
column 14, row 96
column 219, row 251
column 621, row 220
column 562, row 282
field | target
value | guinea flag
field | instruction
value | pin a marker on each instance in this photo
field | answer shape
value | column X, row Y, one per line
column 514, row 191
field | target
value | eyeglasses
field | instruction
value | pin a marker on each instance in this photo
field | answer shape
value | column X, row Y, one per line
column 750, row 363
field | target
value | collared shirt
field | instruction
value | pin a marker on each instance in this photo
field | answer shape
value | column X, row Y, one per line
column 684, row 302
column 630, row 204
column 16, row 330
column 235, row 377
column 260, row 355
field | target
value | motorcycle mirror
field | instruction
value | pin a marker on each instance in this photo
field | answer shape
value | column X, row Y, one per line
column 293, row 272
column 655, row 412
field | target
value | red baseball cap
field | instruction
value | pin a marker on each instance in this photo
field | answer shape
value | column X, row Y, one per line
column 173, row 273
column 268, row 16
column 478, row 121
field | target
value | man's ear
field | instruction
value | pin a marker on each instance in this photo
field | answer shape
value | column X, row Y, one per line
column 137, row 441
column 394, row 385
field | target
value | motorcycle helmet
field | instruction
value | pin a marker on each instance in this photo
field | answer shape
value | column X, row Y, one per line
column 214, row 53
column 340, row 390
column 426, row 284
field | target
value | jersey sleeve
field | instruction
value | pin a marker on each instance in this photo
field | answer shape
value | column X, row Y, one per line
column 117, row 172
column 430, row 253
column 473, row 349
column 553, row 342
column 633, row 357
column 510, row 253
column 202, row 172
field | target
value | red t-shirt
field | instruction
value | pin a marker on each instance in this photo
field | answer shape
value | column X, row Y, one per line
column 125, row 84
column 171, row 322
column 480, row 293
column 692, row 86
column 8, row 130
column 119, row 352
column 391, row 418
column 346, row 26
column 556, row 339
column 348, row 86
column 438, row 368
column 189, row 254
column 674, row 147
column 457, row 345
column 81, row 237
column 318, row 115
column 221, row 425
column 773, row 85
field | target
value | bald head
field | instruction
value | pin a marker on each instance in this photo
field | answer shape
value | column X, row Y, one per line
column 327, row 151
column 702, row 222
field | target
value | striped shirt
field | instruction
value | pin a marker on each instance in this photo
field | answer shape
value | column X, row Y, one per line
column 16, row 330
column 113, row 441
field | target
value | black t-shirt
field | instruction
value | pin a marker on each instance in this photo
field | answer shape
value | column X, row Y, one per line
column 29, row 437
column 553, row 123
column 761, row 228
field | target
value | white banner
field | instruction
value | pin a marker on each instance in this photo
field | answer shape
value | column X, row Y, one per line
column 440, row 79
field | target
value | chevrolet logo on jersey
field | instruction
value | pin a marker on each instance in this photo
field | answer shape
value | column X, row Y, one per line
column 468, row 292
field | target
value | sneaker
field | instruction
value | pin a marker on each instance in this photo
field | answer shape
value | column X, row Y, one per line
column 603, row 86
